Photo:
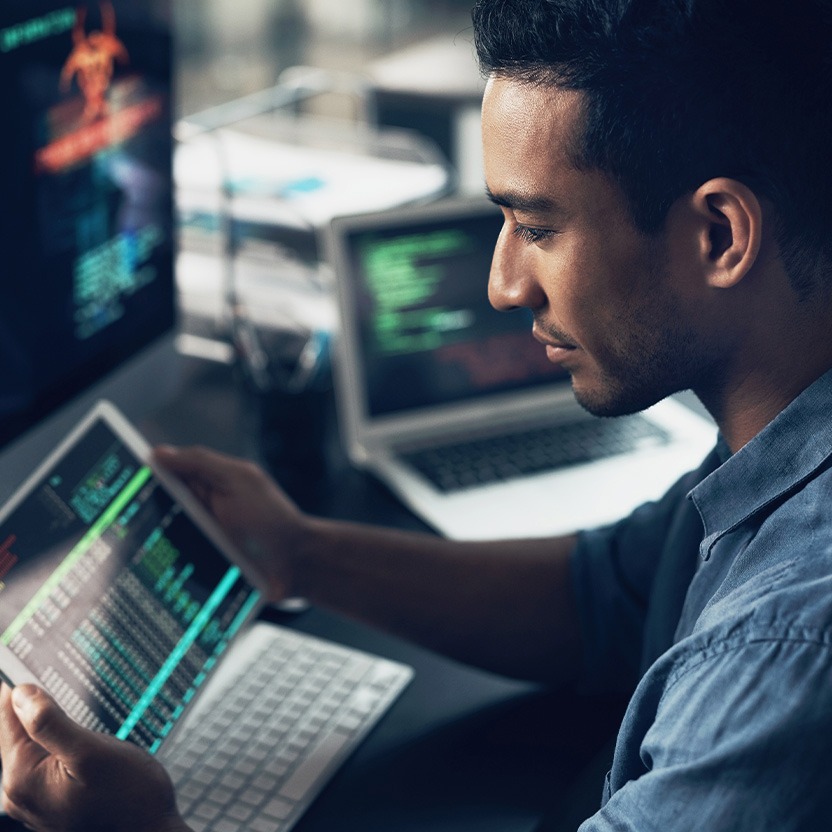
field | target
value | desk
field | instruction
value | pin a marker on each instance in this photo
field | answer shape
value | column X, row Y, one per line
column 461, row 749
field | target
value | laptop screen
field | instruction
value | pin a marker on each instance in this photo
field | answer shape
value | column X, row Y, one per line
column 111, row 595
column 425, row 329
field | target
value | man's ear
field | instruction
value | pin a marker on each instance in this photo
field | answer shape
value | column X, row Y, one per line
column 730, row 229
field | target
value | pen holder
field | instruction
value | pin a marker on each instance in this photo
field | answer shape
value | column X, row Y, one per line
column 288, row 380
column 293, row 439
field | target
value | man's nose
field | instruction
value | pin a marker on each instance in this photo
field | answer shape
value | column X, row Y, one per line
column 512, row 283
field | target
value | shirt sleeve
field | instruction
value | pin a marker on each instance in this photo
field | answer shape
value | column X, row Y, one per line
column 740, row 743
column 613, row 569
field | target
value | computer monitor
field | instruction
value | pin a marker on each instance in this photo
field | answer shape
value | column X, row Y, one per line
column 86, row 206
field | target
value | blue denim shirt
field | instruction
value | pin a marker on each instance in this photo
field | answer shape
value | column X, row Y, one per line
column 716, row 605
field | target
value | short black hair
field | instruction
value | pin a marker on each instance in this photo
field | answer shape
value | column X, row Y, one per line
column 677, row 92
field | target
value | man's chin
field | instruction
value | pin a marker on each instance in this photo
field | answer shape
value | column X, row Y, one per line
column 609, row 402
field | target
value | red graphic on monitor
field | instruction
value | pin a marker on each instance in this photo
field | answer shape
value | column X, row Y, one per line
column 7, row 558
column 92, row 60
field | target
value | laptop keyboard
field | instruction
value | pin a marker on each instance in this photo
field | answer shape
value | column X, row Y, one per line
column 477, row 461
column 255, row 755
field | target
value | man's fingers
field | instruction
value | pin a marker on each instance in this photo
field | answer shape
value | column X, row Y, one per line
column 191, row 462
column 44, row 721
column 22, row 757
column 204, row 471
column 12, row 733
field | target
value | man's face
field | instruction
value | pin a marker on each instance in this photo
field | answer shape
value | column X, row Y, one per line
column 603, row 295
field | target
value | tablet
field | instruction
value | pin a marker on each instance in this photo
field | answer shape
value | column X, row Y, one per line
column 119, row 594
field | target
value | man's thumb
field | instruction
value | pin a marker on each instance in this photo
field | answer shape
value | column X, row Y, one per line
column 45, row 722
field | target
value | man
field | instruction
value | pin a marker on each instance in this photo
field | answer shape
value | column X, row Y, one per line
column 663, row 171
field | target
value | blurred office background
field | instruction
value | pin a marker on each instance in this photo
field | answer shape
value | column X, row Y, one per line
column 412, row 60
column 229, row 48
column 396, row 78
column 399, row 81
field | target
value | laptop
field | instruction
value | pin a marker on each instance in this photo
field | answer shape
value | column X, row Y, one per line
column 427, row 374
column 121, row 596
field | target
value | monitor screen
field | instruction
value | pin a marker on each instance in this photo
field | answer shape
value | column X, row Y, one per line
column 425, row 328
column 86, row 219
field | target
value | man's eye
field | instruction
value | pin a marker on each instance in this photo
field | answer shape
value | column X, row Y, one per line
column 532, row 235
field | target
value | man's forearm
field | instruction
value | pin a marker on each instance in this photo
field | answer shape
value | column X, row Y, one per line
column 507, row 606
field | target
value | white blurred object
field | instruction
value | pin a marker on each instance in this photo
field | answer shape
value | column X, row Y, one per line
column 255, row 187
column 280, row 183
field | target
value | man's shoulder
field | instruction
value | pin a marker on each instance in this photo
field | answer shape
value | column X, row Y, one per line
column 786, row 597
column 747, row 691
column 780, row 615
column 780, row 574
column 764, row 650
column 750, row 696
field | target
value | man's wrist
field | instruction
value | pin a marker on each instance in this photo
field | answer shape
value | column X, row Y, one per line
column 307, row 545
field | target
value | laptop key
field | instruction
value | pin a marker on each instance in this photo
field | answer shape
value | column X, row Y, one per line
column 227, row 825
column 277, row 808
column 313, row 766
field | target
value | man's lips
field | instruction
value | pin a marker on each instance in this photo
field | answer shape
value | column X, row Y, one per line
column 552, row 344
column 556, row 353
column 556, row 349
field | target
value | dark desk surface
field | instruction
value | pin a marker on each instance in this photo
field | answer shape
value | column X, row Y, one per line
column 461, row 749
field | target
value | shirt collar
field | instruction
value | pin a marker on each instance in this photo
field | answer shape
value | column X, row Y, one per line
column 785, row 453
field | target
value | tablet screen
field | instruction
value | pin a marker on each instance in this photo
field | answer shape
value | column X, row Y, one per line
column 111, row 594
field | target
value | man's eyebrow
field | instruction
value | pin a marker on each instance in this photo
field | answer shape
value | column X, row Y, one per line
column 521, row 202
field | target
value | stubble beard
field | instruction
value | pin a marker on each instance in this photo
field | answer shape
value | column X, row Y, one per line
column 646, row 364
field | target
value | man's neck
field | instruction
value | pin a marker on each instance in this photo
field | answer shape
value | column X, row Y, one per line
column 774, row 370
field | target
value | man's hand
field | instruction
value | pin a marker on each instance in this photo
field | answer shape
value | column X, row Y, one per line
column 257, row 516
column 59, row 777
